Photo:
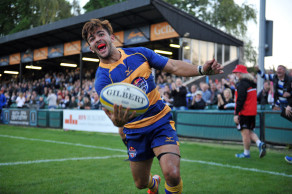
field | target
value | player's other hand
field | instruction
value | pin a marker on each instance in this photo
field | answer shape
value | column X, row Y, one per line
column 119, row 117
column 212, row 67
column 235, row 119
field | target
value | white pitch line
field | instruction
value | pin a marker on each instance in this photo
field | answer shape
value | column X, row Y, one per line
column 237, row 167
column 65, row 143
column 60, row 160
column 111, row 149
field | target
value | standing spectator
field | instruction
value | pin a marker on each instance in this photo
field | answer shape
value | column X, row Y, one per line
column 214, row 94
column 206, row 94
column 191, row 94
column 263, row 95
column 66, row 102
column 179, row 92
column 52, row 100
column 198, row 101
column 96, row 103
column 20, row 100
column 2, row 102
column 282, row 89
column 225, row 102
column 246, row 111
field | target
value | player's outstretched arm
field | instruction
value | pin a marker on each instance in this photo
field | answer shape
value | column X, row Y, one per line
column 181, row 68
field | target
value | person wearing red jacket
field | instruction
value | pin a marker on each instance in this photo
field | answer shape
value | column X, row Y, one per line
column 246, row 111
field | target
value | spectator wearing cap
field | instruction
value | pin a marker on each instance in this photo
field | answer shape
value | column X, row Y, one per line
column 198, row 102
column 282, row 86
column 246, row 111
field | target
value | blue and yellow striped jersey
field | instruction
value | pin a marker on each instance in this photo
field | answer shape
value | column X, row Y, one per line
column 134, row 67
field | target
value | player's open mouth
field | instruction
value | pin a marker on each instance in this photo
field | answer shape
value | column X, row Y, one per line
column 101, row 47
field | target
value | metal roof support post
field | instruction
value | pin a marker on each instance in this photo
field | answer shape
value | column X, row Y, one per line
column 81, row 69
column 20, row 72
column 262, row 39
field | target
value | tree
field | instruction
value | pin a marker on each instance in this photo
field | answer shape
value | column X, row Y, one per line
column 94, row 4
column 225, row 15
column 17, row 15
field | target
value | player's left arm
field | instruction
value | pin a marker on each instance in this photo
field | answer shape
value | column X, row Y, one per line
column 181, row 68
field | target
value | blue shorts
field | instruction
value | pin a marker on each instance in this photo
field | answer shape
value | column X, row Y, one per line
column 140, row 145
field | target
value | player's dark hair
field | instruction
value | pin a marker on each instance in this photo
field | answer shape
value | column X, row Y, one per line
column 90, row 27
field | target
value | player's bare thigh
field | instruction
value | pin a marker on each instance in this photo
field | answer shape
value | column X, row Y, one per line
column 141, row 171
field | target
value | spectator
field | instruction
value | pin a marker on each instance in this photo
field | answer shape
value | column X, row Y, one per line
column 282, row 86
column 179, row 92
column 52, row 100
column 20, row 100
column 214, row 94
column 96, row 103
column 206, row 94
column 2, row 102
column 66, row 102
column 41, row 103
column 167, row 99
column 86, row 103
column 246, row 111
column 73, row 104
column 225, row 102
column 191, row 94
column 198, row 101
column 263, row 95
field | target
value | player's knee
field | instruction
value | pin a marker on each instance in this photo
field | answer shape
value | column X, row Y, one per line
column 172, row 176
column 140, row 184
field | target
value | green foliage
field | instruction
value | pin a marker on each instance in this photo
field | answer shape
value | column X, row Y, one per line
column 113, row 175
column 18, row 15
column 93, row 4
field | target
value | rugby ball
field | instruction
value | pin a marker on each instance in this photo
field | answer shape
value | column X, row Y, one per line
column 125, row 94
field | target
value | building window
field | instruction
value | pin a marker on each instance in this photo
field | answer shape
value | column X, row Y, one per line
column 219, row 53
column 226, row 53
column 233, row 53
column 186, row 45
column 195, row 52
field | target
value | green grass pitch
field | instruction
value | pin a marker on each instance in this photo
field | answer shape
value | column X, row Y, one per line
column 38, row 160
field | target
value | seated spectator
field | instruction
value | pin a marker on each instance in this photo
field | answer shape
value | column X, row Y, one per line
column 73, row 104
column 20, row 100
column 86, row 103
column 66, row 101
column 226, row 101
column 41, row 103
column 198, row 102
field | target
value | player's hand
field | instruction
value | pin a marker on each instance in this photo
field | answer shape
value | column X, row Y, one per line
column 118, row 116
column 235, row 119
column 212, row 67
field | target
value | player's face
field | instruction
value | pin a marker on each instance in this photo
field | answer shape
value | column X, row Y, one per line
column 100, row 42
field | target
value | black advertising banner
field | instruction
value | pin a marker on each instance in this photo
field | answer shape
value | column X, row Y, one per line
column 19, row 117
column 4, row 61
column 137, row 35
column 56, row 51
column 27, row 57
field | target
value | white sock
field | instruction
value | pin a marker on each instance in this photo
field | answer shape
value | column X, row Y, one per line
column 246, row 152
column 258, row 142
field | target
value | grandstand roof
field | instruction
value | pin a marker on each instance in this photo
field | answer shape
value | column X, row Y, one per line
column 123, row 16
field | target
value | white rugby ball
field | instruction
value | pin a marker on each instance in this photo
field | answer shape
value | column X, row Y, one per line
column 127, row 95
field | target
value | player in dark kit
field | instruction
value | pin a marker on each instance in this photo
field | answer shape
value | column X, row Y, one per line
column 152, row 133
column 246, row 111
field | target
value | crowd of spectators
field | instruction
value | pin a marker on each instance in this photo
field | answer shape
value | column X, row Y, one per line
column 53, row 91
column 63, row 91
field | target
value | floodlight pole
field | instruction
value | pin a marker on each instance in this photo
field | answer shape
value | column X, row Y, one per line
column 262, row 44
column 81, row 69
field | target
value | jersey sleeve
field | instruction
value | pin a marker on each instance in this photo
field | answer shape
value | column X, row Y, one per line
column 155, row 60
column 101, row 80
